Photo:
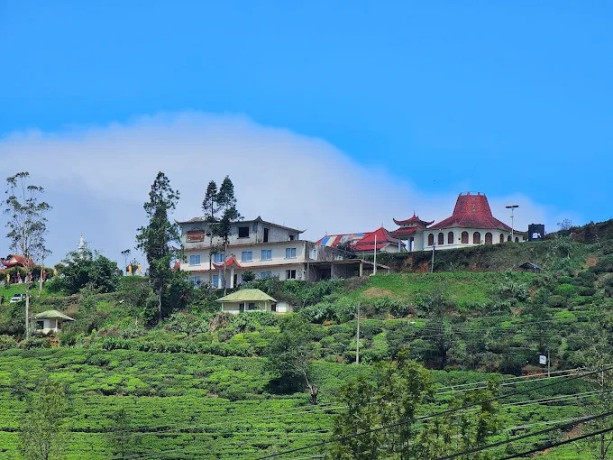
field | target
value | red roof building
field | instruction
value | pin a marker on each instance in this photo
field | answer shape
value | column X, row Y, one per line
column 471, row 223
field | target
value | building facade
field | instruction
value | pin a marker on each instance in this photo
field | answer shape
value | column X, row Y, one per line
column 263, row 248
column 470, row 224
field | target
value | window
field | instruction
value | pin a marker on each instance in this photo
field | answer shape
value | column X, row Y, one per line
column 441, row 239
column 266, row 274
column 290, row 274
column 246, row 256
column 430, row 239
column 216, row 280
column 464, row 237
column 290, row 253
column 476, row 238
column 450, row 237
column 195, row 280
column 488, row 238
column 252, row 306
column 501, row 238
column 241, row 307
column 243, row 232
column 219, row 257
column 266, row 254
column 40, row 324
column 194, row 259
column 292, row 237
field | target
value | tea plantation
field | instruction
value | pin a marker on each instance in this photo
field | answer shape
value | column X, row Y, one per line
column 200, row 385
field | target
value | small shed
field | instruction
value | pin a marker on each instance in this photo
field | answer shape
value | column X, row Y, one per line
column 50, row 321
column 248, row 300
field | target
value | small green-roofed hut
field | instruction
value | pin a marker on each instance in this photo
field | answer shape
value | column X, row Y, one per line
column 247, row 300
column 50, row 321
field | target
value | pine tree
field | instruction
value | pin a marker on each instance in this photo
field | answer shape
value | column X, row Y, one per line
column 210, row 208
column 156, row 238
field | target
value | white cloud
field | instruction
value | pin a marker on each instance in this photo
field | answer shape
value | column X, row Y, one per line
column 97, row 179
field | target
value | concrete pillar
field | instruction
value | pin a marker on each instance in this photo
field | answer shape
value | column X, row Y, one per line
column 219, row 280
column 232, row 277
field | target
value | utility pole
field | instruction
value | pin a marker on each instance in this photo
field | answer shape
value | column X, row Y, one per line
column 548, row 363
column 357, row 339
column 512, row 208
column 374, row 266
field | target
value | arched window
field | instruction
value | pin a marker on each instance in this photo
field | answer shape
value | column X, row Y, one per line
column 476, row 238
column 464, row 237
column 509, row 238
column 431, row 239
column 450, row 238
column 441, row 239
column 488, row 238
column 501, row 238
column 516, row 239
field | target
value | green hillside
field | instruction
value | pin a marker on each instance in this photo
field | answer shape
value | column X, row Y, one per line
column 198, row 385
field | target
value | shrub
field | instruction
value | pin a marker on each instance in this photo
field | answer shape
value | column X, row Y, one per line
column 7, row 342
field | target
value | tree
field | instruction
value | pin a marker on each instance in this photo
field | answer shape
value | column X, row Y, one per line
column 290, row 355
column 156, row 239
column 27, row 225
column 380, row 420
column 227, row 205
column 126, row 254
column 210, row 208
column 391, row 398
column 598, row 355
column 87, row 268
column 42, row 433
column 121, row 436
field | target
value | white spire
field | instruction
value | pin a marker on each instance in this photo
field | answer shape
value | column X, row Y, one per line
column 82, row 245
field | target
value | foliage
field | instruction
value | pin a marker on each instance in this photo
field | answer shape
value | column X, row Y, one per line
column 88, row 269
column 42, row 430
column 391, row 401
column 27, row 225
column 156, row 239
column 290, row 354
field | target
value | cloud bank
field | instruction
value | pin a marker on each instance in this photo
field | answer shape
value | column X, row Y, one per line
column 97, row 179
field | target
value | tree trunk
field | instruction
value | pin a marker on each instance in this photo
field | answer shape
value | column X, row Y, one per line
column 27, row 314
column 225, row 256
column 159, row 305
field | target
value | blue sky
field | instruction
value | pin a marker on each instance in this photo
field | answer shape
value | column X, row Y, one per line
column 508, row 98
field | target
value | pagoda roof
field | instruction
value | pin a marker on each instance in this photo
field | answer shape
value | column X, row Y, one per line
column 230, row 261
column 471, row 211
column 414, row 221
column 404, row 232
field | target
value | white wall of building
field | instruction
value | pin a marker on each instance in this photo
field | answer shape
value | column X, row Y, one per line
column 457, row 237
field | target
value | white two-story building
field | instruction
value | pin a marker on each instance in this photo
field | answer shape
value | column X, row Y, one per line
column 261, row 247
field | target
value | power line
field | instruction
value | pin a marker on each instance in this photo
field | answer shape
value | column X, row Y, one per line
column 436, row 414
column 523, row 436
column 559, row 443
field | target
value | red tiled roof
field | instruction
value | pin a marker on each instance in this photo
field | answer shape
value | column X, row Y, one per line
column 471, row 211
column 414, row 221
column 404, row 232
column 383, row 239
column 229, row 262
